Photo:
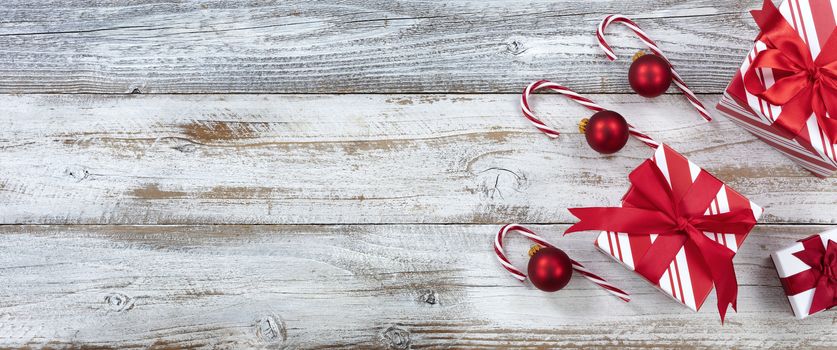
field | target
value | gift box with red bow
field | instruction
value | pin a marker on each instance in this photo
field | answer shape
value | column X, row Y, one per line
column 785, row 93
column 808, row 271
column 678, row 227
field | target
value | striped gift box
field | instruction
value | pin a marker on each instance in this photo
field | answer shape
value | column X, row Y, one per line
column 814, row 21
column 687, row 280
column 788, row 265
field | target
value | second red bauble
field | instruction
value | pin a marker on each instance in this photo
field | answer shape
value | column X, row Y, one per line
column 650, row 75
column 606, row 132
column 550, row 269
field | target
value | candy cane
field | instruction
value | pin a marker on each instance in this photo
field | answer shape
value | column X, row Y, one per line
column 584, row 101
column 577, row 267
column 656, row 50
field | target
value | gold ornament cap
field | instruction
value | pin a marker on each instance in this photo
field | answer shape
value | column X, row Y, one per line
column 582, row 125
column 534, row 249
column 637, row 55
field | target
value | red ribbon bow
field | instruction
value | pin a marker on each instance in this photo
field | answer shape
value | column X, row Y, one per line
column 651, row 207
column 803, row 85
column 822, row 275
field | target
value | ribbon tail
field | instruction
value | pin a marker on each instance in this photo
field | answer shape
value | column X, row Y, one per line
column 823, row 296
column 768, row 14
column 795, row 112
column 829, row 126
column 718, row 260
column 826, row 110
column 615, row 219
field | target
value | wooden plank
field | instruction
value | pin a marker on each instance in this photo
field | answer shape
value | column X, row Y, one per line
column 271, row 159
column 403, row 46
column 395, row 286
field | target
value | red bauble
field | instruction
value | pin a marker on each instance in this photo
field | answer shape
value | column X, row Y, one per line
column 550, row 269
column 650, row 75
column 606, row 132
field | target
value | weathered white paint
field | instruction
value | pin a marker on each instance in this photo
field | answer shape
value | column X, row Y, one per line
column 355, row 159
column 359, row 286
column 355, row 46
column 398, row 161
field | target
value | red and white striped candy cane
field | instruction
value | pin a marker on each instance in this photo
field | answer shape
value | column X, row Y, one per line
column 584, row 101
column 656, row 50
column 577, row 267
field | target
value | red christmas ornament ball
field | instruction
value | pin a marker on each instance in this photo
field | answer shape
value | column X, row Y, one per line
column 550, row 269
column 606, row 132
column 650, row 75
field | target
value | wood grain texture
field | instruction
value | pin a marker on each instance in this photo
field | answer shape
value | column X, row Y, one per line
column 387, row 286
column 351, row 46
column 355, row 159
column 296, row 174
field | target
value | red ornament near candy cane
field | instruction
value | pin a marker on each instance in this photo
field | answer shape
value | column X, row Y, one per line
column 650, row 66
column 549, row 282
column 694, row 281
column 598, row 143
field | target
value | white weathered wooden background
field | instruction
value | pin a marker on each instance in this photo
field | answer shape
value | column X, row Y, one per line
column 294, row 174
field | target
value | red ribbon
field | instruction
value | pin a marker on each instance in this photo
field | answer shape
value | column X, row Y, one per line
column 822, row 275
column 803, row 85
column 650, row 207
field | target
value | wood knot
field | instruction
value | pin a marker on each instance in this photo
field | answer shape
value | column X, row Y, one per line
column 136, row 91
column 185, row 148
column 180, row 144
column 119, row 302
column 515, row 47
column 77, row 173
column 271, row 329
column 429, row 296
column 500, row 182
column 395, row 338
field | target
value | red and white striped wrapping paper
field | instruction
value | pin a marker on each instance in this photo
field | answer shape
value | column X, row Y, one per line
column 686, row 279
column 814, row 21
column 788, row 265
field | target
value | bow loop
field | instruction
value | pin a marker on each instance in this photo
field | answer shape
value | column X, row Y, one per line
column 651, row 207
column 829, row 72
column 822, row 276
column 803, row 86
